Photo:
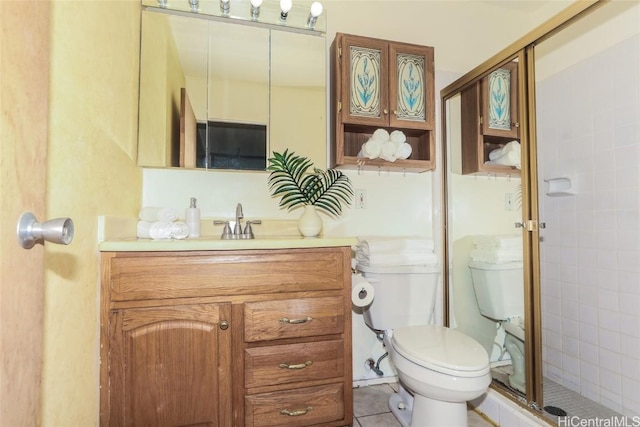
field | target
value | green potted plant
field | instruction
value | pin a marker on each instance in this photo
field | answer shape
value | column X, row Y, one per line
column 322, row 190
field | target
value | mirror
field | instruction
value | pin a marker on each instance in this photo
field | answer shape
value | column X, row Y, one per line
column 220, row 95
column 483, row 197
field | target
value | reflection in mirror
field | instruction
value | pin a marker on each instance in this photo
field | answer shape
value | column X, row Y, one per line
column 238, row 98
column 486, row 299
column 298, row 95
column 221, row 95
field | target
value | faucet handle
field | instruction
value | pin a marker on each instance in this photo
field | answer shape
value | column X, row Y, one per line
column 248, row 231
column 226, row 232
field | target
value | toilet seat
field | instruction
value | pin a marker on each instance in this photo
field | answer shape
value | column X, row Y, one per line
column 441, row 349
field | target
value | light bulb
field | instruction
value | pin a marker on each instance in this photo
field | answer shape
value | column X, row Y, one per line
column 285, row 7
column 225, row 6
column 316, row 10
column 255, row 9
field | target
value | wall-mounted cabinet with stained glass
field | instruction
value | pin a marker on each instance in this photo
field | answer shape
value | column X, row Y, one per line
column 490, row 124
column 380, row 84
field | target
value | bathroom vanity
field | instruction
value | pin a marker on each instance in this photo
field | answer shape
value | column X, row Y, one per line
column 240, row 334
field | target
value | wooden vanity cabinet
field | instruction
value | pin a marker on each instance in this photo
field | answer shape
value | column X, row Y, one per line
column 479, row 135
column 382, row 84
column 227, row 338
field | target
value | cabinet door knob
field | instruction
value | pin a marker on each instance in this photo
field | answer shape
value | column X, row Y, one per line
column 385, row 111
column 224, row 325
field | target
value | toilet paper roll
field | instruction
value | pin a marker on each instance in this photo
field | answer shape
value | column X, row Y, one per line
column 361, row 291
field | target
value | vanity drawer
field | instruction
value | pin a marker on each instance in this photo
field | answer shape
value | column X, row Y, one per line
column 300, row 407
column 283, row 364
column 154, row 275
column 293, row 318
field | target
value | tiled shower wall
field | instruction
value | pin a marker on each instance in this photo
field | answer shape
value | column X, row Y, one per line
column 589, row 131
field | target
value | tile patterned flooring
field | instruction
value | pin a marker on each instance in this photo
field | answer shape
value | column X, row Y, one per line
column 370, row 408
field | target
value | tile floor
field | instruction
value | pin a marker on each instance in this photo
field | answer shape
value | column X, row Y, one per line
column 574, row 404
column 370, row 408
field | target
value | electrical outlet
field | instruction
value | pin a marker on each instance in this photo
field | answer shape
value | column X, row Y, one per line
column 361, row 199
column 508, row 201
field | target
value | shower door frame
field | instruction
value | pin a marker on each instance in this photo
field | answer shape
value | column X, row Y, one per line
column 522, row 48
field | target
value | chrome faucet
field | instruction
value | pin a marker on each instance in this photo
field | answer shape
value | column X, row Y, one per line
column 238, row 232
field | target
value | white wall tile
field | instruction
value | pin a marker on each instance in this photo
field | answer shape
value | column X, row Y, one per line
column 601, row 151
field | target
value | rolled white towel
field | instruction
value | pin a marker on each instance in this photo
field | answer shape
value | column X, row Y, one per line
column 154, row 230
column 403, row 151
column 509, row 155
column 398, row 137
column 179, row 230
column 154, row 214
column 381, row 135
column 371, row 149
column 388, row 151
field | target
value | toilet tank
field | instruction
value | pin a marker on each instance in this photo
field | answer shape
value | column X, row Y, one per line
column 499, row 289
column 403, row 295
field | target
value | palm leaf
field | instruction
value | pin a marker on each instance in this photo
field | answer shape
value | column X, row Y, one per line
column 326, row 189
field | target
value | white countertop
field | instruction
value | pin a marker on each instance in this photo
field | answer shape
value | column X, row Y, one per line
column 116, row 236
column 213, row 244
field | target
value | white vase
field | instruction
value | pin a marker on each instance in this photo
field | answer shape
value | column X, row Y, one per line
column 310, row 223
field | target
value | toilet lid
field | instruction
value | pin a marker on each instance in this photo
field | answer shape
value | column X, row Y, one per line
column 441, row 349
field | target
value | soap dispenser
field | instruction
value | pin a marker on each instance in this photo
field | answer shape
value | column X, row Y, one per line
column 192, row 218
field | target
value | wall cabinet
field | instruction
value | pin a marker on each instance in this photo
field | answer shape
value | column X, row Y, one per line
column 490, row 120
column 382, row 84
column 226, row 338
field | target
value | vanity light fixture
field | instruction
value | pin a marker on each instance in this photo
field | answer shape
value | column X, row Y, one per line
column 316, row 10
column 194, row 5
column 285, row 7
column 255, row 9
column 225, row 6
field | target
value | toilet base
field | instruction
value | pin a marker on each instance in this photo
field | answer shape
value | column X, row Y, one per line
column 401, row 406
column 419, row 411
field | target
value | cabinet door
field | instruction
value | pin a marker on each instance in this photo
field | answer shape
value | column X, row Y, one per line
column 411, row 86
column 364, row 73
column 500, row 102
column 170, row 366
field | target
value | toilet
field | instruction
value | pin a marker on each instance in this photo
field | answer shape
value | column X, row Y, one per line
column 439, row 368
column 499, row 292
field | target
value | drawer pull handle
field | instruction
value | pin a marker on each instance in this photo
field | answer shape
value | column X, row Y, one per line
column 298, row 366
column 296, row 413
column 295, row 321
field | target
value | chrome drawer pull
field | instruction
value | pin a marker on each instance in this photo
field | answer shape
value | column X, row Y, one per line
column 298, row 366
column 295, row 321
column 296, row 413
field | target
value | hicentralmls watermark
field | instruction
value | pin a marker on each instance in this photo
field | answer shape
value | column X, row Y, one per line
column 618, row 421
